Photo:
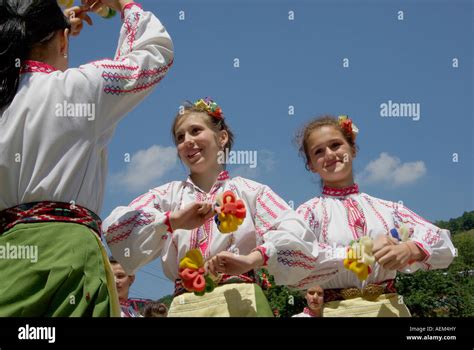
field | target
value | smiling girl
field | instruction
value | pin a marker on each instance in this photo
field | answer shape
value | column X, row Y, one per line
column 170, row 220
column 344, row 214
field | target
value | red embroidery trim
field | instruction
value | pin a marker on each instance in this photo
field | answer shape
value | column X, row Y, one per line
column 113, row 65
column 325, row 222
column 427, row 254
column 340, row 192
column 36, row 67
column 297, row 254
column 355, row 218
column 266, row 208
column 275, row 201
column 128, row 6
column 49, row 211
column 263, row 251
column 135, row 220
column 168, row 222
column 148, row 201
column 308, row 311
column 224, row 175
column 115, row 90
column 264, row 223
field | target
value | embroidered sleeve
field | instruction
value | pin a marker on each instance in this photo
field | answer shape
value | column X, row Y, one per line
column 433, row 241
column 290, row 253
column 115, row 86
column 137, row 233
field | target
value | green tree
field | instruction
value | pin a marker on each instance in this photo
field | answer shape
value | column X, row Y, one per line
column 167, row 299
column 448, row 292
column 460, row 224
column 283, row 301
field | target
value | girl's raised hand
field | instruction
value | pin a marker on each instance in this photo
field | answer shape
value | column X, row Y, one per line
column 382, row 241
column 77, row 15
column 397, row 256
column 117, row 5
column 233, row 264
column 191, row 216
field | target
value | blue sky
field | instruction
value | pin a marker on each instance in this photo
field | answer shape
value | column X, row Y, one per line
column 299, row 63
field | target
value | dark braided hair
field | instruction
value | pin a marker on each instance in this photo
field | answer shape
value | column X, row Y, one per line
column 24, row 24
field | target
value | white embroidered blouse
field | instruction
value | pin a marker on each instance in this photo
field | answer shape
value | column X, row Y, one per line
column 342, row 215
column 139, row 233
column 55, row 132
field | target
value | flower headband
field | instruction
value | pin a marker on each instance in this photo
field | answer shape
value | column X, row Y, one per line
column 346, row 124
column 210, row 107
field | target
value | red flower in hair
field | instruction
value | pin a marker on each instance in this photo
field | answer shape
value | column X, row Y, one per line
column 346, row 124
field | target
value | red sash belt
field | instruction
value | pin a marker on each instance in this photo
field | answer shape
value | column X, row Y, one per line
column 47, row 211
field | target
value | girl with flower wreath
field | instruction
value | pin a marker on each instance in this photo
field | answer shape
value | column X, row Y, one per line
column 400, row 240
column 169, row 221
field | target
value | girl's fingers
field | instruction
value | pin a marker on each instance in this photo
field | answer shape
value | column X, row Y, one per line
column 204, row 209
column 209, row 215
column 84, row 16
column 74, row 22
column 201, row 208
column 75, row 11
column 379, row 254
column 77, row 23
column 212, row 266
column 220, row 262
column 88, row 19
column 89, row 3
column 76, row 27
column 387, row 260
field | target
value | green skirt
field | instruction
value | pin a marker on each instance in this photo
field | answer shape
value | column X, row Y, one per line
column 55, row 269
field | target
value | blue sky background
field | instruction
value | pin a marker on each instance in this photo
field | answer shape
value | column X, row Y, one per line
column 299, row 63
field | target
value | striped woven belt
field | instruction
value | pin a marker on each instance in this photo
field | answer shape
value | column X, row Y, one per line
column 48, row 211
column 370, row 292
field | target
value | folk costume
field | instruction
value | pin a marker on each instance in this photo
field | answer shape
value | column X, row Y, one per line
column 53, row 165
column 342, row 215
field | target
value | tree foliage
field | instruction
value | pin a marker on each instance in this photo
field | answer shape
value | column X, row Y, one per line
column 460, row 224
column 448, row 292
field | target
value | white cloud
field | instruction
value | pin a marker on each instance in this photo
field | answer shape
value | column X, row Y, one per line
column 390, row 170
column 146, row 167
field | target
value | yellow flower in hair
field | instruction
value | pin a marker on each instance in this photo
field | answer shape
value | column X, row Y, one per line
column 210, row 107
column 201, row 104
